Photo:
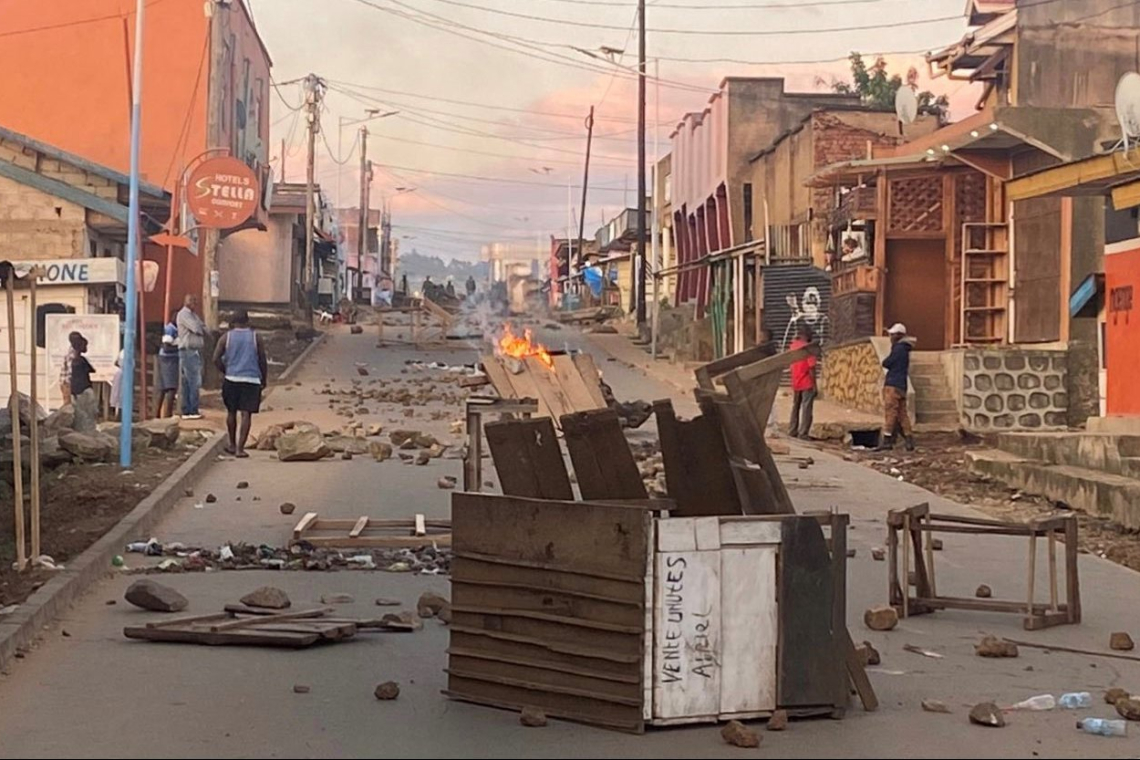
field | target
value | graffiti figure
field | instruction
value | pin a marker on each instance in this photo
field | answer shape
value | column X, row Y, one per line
column 807, row 310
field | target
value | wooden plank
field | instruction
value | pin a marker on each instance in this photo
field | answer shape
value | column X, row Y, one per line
column 749, row 532
column 602, row 459
column 421, row 527
column 549, row 387
column 979, row 605
column 687, row 630
column 562, row 535
column 697, row 473
column 591, row 378
column 526, row 387
column 750, row 624
column 1072, row 578
column 773, row 365
column 498, row 376
column 574, row 385
column 474, row 381
column 707, row 373
column 303, row 524
column 274, row 618
column 379, row 542
column 857, row 673
column 811, row 670
column 359, row 527
column 240, row 637
column 758, row 482
column 528, row 458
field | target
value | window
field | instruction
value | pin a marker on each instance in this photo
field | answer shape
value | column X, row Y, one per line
column 668, row 188
column 747, row 212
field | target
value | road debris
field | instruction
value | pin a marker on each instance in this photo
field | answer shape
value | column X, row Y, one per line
column 386, row 602
column 338, row 598
column 778, row 721
column 267, row 597
column 881, row 618
column 242, row 484
column 300, row 688
column 739, row 735
column 878, row 554
column 1121, row 642
column 447, row 482
column 388, row 690
column 924, row 652
column 380, row 451
column 532, row 718
column 1115, row 694
column 287, row 508
column 992, row 646
column 155, row 597
column 987, row 714
column 431, row 604
column 983, row 592
column 868, row 654
column 935, row 706
column 211, row 499
column 1128, row 707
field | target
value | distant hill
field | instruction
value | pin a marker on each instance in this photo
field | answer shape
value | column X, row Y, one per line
column 417, row 266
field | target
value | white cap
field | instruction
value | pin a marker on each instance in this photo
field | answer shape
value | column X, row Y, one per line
column 898, row 328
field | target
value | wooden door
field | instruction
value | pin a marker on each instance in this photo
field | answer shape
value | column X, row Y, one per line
column 916, row 288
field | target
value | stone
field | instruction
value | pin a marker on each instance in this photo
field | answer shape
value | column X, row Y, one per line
column 778, row 721
column 739, row 735
column 300, row 688
column 211, row 499
column 1121, row 642
column 447, row 482
column 269, row 597
column 1029, row 420
column 532, row 717
column 1028, row 382
column 1004, row 381
column 994, row 403
column 1115, row 694
column 1015, row 362
column 287, row 508
column 59, row 421
column 188, row 492
column 934, row 706
column 992, row 646
column 936, row 544
column 983, row 592
column 422, row 458
column 868, row 654
column 991, row 361
column 430, row 604
column 375, row 429
column 347, row 455
column 1128, row 708
column 338, row 598
column 1061, row 399
column 400, row 437
column 435, row 451
column 987, row 714
column 984, row 383
column 356, row 329
column 881, row 618
column 1015, row 402
column 380, row 451
column 302, row 446
column 155, row 597
column 850, row 553
column 1039, row 400
column 1003, row 421
column 163, row 433
column 425, row 441
column 387, row 691
column 89, row 447
column 242, row 484
column 347, row 443
column 386, row 602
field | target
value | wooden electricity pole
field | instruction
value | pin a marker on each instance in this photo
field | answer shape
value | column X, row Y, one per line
column 313, row 86
column 362, row 229
column 585, row 185
column 640, row 265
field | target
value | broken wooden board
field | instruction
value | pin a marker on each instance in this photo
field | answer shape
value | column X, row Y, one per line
column 528, row 458
column 570, row 384
column 369, row 533
column 697, row 473
column 603, row 463
column 293, row 630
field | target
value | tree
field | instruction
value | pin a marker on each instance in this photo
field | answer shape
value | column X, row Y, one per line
column 877, row 88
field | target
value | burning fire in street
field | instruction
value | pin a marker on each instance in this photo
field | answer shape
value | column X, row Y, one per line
column 520, row 348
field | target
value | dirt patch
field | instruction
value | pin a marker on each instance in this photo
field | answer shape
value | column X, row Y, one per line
column 939, row 465
column 80, row 504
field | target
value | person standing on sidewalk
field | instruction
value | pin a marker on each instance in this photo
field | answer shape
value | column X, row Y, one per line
column 803, row 386
column 240, row 357
column 168, row 368
column 897, row 365
column 191, row 340
column 82, row 390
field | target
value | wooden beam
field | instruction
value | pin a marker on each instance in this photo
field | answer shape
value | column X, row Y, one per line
column 1126, row 196
column 1069, row 176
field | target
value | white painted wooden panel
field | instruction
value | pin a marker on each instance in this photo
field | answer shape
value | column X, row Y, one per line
column 749, row 533
column 708, row 533
column 677, row 534
column 749, row 629
column 647, row 664
column 687, row 662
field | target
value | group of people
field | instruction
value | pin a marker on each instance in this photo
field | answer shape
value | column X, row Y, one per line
column 239, row 356
column 897, row 365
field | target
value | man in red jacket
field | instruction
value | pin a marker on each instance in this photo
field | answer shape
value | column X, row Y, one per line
column 803, row 386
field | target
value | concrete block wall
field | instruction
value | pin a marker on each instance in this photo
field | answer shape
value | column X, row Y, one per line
column 1014, row 389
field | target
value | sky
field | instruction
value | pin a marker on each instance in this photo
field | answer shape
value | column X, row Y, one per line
column 499, row 90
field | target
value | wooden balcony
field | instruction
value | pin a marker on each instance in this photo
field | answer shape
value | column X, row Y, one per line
column 860, row 203
column 857, row 278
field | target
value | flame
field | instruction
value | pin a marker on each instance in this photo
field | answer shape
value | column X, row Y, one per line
column 520, row 348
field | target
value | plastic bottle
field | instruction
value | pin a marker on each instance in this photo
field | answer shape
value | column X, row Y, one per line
column 1038, row 703
column 1075, row 700
column 1103, row 727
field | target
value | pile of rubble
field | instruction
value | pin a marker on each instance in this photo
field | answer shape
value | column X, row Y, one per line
column 651, row 466
column 300, row 441
column 181, row 558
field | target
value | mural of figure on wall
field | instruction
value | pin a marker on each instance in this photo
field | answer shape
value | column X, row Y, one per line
column 794, row 296
column 807, row 309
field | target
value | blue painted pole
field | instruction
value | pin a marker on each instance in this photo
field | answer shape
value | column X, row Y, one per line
column 130, row 333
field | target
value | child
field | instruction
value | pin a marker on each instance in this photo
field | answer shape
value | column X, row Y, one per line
column 82, row 390
column 168, row 368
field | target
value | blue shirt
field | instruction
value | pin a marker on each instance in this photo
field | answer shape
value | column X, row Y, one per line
column 897, row 365
column 240, row 358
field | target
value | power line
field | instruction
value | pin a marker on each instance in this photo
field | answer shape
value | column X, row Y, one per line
column 78, row 22
column 351, row 149
column 794, row 4
column 389, row 171
column 504, row 180
column 705, row 32
column 277, row 89
column 478, row 152
column 184, row 133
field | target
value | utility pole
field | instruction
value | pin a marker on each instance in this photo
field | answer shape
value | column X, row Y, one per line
column 362, row 229
column 639, row 268
column 282, row 159
column 313, row 119
column 210, row 238
column 585, row 186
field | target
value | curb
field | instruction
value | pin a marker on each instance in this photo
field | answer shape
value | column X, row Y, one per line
column 19, row 630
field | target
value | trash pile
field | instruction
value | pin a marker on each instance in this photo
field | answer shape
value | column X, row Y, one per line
column 181, row 558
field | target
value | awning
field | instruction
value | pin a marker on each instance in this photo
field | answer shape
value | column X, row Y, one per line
column 1086, row 299
column 1116, row 174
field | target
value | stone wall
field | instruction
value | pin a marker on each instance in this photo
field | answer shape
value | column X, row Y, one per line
column 851, row 375
column 1014, row 389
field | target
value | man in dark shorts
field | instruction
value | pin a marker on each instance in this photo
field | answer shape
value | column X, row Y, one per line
column 240, row 357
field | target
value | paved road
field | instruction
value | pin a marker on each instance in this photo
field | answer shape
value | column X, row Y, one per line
column 95, row 694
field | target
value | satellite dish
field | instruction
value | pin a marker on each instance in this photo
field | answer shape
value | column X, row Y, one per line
column 1128, row 106
column 906, row 105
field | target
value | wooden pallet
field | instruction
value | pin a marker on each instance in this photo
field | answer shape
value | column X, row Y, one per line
column 369, row 533
column 572, row 385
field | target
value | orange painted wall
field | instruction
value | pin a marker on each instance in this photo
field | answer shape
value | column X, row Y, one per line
column 65, row 68
column 1122, row 331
